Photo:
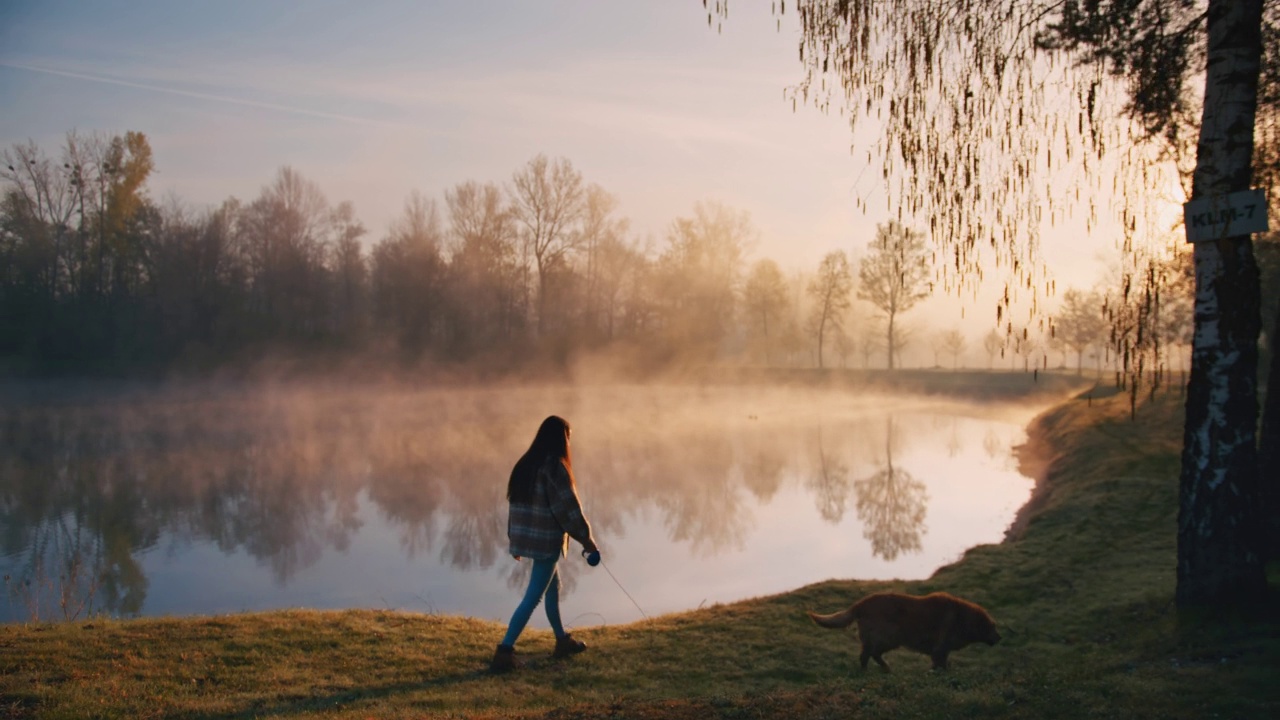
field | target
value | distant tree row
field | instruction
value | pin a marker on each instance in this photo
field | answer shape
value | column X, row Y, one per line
column 96, row 277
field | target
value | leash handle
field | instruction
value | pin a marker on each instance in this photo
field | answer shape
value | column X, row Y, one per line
column 593, row 557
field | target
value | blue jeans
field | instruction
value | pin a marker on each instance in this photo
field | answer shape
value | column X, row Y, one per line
column 543, row 581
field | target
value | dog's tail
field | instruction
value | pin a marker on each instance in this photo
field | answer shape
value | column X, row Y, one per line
column 842, row 619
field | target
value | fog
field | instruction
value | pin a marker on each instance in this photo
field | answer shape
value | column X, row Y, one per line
column 211, row 498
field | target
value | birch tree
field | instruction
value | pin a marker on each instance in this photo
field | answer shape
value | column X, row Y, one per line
column 1219, row 549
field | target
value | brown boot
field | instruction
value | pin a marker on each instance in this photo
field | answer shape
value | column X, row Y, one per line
column 566, row 646
column 504, row 660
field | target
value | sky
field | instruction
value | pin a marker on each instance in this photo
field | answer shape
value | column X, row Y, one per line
column 377, row 99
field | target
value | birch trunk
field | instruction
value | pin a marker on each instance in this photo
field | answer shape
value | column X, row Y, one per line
column 1269, row 454
column 1219, row 552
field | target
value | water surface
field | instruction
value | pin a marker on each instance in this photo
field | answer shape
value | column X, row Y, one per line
column 225, row 499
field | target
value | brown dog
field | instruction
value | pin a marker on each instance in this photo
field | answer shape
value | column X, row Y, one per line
column 934, row 624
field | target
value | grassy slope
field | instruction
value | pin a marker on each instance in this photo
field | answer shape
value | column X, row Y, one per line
column 1083, row 596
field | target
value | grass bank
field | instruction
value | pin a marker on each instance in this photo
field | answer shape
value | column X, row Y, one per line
column 1083, row 591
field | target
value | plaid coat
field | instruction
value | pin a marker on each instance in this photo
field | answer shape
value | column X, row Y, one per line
column 541, row 529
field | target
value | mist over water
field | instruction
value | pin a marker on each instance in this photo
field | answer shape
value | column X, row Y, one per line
column 212, row 500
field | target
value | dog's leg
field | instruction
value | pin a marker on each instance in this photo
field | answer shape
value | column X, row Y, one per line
column 940, row 658
column 942, row 645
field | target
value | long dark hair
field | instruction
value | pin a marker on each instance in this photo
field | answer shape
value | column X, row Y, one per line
column 552, row 441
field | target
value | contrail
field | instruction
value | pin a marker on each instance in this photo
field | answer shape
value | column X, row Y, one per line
column 203, row 96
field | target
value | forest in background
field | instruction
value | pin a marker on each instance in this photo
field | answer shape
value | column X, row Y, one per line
column 99, row 279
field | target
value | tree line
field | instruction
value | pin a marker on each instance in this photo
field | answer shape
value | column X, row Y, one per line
column 96, row 277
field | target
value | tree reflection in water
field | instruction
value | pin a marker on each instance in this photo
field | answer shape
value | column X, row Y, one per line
column 995, row 447
column 59, row 577
column 830, row 483
column 71, row 526
column 892, row 504
column 764, row 462
column 287, row 477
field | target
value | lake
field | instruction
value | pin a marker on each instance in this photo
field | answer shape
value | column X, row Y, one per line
column 213, row 499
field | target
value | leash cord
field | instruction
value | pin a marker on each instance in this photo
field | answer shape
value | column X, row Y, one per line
column 624, row 590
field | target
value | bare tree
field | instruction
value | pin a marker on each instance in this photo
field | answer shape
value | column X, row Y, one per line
column 489, row 294
column 1080, row 323
column 830, row 291
column 1029, row 347
column 409, row 277
column 286, row 231
column 953, row 343
column 845, row 345
column 870, row 335
column 548, row 199
column 698, row 276
column 993, row 343
column 902, row 336
column 600, row 228
column 894, row 277
column 350, row 274
column 41, row 205
column 197, row 276
column 765, row 301
column 621, row 269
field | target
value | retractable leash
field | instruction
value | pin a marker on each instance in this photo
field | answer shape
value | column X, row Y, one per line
column 593, row 559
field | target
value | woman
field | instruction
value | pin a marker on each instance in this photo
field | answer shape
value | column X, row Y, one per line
column 544, row 514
